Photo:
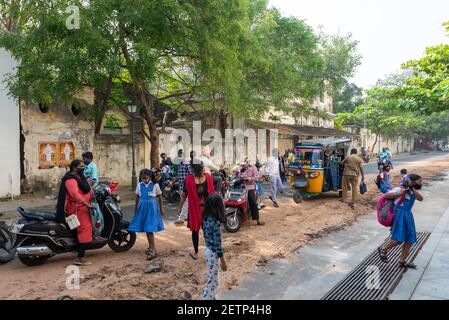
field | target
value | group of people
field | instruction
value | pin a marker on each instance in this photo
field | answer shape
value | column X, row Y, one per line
column 201, row 204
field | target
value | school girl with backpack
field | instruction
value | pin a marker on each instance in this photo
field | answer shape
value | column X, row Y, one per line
column 403, row 231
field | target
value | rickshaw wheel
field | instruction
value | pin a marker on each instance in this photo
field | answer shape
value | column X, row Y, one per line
column 298, row 196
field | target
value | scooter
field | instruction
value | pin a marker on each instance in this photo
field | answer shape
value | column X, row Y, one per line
column 236, row 204
column 171, row 191
column 7, row 240
column 40, row 235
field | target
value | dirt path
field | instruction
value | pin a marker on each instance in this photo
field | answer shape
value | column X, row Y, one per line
column 120, row 276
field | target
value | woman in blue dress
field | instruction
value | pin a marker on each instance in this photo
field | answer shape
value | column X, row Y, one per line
column 149, row 211
column 403, row 230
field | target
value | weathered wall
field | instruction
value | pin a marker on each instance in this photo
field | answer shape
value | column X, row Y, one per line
column 113, row 156
column 9, row 133
column 396, row 146
column 112, row 153
column 59, row 124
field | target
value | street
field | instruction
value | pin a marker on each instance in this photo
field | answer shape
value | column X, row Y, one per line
column 298, row 249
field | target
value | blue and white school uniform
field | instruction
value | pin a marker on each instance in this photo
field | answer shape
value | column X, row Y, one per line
column 148, row 217
column 385, row 186
column 403, row 229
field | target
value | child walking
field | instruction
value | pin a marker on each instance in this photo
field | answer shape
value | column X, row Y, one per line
column 403, row 230
column 149, row 210
column 213, row 217
column 385, row 184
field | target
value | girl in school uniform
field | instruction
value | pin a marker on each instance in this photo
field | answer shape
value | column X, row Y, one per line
column 213, row 253
column 403, row 230
column 149, row 210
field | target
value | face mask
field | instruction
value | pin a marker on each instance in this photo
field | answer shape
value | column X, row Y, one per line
column 417, row 186
column 87, row 162
column 80, row 171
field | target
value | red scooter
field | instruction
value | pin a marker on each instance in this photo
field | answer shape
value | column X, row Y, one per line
column 236, row 202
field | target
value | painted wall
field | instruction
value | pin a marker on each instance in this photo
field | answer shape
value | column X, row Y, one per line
column 112, row 153
column 9, row 134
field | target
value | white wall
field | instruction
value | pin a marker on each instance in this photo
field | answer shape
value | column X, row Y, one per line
column 9, row 134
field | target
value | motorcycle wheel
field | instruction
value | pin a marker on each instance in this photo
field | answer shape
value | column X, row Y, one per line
column 298, row 196
column 32, row 261
column 7, row 248
column 122, row 241
column 233, row 222
column 173, row 197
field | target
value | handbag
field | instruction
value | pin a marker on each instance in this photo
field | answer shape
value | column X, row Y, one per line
column 363, row 188
column 72, row 221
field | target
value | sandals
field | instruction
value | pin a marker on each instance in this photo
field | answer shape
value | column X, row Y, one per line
column 406, row 265
column 151, row 255
column 193, row 256
column 382, row 254
column 260, row 223
column 82, row 263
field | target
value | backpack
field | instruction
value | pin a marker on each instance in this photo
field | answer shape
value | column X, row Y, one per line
column 385, row 214
column 378, row 181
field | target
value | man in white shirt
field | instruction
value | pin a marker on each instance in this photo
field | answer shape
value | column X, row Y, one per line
column 272, row 168
column 209, row 166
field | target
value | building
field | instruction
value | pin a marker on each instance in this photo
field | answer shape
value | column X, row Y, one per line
column 9, row 133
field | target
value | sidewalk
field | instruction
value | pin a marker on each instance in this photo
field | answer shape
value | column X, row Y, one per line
column 431, row 280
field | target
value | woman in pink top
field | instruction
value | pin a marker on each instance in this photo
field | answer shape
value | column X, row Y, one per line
column 250, row 174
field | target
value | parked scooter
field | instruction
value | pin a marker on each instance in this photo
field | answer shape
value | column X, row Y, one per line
column 236, row 203
column 40, row 236
column 171, row 191
column 7, row 240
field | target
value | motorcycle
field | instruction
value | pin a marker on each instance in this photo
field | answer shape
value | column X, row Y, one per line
column 222, row 173
column 171, row 191
column 41, row 236
column 236, row 203
column 7, row 240
column 383, row 162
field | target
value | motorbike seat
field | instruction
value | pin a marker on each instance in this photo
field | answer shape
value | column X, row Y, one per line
column 36, row 215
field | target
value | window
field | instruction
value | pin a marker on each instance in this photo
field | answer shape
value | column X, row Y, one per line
column 44, row 108
column 76, row 109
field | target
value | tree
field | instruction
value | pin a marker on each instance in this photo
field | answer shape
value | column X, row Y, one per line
column 382, row 116
column 350, row 97
column 158, row 52
column 341, row 58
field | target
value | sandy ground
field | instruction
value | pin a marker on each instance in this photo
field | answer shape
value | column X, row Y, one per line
column 121, row 276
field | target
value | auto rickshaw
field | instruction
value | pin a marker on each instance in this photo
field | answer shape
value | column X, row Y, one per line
column 316, row 168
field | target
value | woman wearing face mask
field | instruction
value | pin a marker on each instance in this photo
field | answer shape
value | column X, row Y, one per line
column 403, row 230
column 75, row 197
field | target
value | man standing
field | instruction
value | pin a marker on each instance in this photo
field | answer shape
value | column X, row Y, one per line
column 250, row 174
column 185, row 169
column 353, row 169
column 166, row 161
column 275, row 178
column 91, row 170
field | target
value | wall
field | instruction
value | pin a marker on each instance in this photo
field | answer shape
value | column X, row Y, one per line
column 9, row 133
column 112, row 153
column 396, row 146
column 56, row 125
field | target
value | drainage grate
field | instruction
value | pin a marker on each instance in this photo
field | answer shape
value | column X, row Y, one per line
column 372, row 279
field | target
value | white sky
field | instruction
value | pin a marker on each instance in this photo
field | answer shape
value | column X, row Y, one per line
column 390, row 31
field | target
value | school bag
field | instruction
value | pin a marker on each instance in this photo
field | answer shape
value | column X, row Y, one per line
column 385, row 214
column 378, row 181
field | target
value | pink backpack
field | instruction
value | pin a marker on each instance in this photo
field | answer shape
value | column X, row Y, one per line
column 385, row 208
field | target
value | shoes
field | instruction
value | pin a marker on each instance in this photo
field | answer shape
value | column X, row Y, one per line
column 82, row 262
column 276, row 205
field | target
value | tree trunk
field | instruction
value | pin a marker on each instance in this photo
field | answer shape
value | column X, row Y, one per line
column 375, row 142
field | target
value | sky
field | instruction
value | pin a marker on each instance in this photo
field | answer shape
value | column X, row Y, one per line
column 390, row 31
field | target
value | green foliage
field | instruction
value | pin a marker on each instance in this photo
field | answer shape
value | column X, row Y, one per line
column 112, row 121
column 350, row 97
column 341, row 59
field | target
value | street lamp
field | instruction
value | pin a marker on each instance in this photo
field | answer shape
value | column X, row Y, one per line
column 132, row 110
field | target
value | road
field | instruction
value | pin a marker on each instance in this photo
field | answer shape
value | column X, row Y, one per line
column 312, row 270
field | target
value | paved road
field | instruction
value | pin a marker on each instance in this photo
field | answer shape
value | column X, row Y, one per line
column 315, row 268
